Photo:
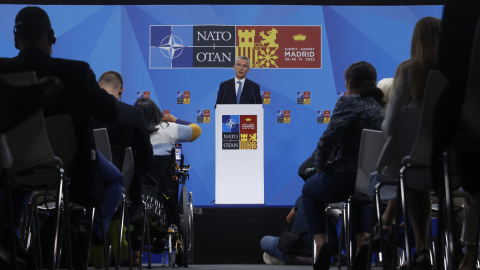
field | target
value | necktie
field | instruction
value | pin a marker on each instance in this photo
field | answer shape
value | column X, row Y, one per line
column 239, row 91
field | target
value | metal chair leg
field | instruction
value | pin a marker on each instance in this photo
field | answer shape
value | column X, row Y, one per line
column 129, row 236
column 90, row 232
column 66, row 210
column 144, row 224
column 348, row 246
column 149, row 254
column 477, row 234
column 376, row 206
column 405, row 217
column 119, row 244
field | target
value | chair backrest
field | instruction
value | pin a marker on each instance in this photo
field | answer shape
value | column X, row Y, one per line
column 399, row 144
column 128, row 169
column 102, row 142
column 6, row 159
column 33, row 157
column 20, row 78
column 29, row 144
column 61, row 135
column 471, row 103
column 422, row 147
column 122, row 158
column 371, row 145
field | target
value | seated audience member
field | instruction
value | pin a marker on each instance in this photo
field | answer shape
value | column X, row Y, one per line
column 307, row 168
column 165, row 131
column 129, row 130
column 81, row 97
column 301, row 252
column 386, row 85
column 337, row 155
column 454, row 61
column 409, row 83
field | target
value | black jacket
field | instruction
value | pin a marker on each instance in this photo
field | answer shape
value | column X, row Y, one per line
column 81, row 98
column 250, row 93
column 130, row 130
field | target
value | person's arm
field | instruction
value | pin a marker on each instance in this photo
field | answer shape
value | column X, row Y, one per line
column 258, row 96
column 342, row 116
column 187, row 131
column 220, row 95
column 291, row 216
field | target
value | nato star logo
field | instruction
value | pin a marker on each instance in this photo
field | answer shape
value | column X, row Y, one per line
column 230, row 123
column 171, row 46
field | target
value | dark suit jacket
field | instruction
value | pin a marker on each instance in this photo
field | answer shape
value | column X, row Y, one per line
column 130, row 130
column 250, row 93
column 81, row 97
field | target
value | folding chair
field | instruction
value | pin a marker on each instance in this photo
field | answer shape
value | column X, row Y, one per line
column 388, row 165
column 371, row 144
column 36, row 167
column 123, row 159
column 102, row 144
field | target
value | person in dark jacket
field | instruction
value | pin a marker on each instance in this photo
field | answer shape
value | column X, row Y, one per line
column 94, row 180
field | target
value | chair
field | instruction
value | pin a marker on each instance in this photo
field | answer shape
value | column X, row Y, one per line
column 371, row 145
column 123, row 158
column 102, row 144
column 415, row 171
column 388, row 165
column 37, row 167
column 466, row 145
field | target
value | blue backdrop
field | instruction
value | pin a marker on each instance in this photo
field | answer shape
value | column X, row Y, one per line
column 118, row 38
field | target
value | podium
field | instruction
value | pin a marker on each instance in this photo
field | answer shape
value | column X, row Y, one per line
column 239, row 153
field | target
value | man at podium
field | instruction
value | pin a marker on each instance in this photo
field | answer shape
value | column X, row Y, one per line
column 239, row 90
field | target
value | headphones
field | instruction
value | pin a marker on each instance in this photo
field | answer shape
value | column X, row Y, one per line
column 51, row 38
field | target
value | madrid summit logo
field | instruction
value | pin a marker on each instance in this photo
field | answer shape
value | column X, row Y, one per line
column 217, row 46
column 239, row 132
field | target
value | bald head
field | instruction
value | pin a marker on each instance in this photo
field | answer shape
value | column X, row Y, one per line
column 112, row 82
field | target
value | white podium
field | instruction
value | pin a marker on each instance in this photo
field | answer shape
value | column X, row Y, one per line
column 239, row 154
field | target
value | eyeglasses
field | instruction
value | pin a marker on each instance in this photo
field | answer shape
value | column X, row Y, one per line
column 240, row 65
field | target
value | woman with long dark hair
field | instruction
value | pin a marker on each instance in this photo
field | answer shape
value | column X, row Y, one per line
column 337, row 155
column 409, row 84
column 166, row 130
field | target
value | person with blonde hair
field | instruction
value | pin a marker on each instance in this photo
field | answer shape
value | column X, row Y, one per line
column 386, row 85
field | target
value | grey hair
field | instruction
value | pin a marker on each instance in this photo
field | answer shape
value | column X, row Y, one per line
column 243, row 57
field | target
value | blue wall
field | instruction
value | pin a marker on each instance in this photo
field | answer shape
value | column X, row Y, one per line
column 117, row 38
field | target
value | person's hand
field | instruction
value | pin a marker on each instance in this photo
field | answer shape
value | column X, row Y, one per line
column 169, row 118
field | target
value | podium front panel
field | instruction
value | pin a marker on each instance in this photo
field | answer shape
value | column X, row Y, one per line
column 239, row 153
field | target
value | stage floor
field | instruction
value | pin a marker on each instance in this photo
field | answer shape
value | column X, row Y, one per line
column 236, row 267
